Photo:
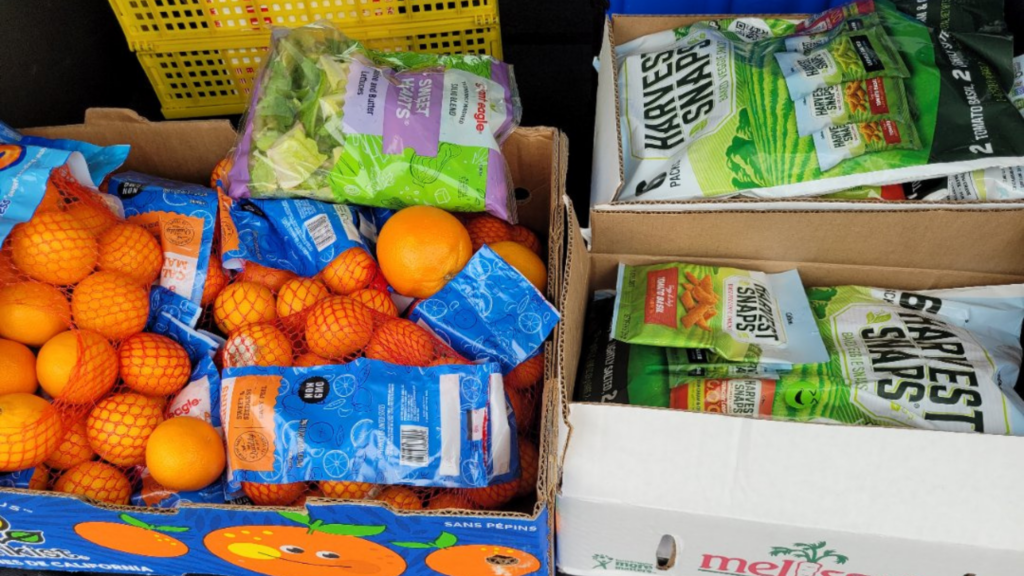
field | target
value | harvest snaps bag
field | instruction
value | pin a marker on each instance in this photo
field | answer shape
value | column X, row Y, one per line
column 741, row 315
column 369, row 421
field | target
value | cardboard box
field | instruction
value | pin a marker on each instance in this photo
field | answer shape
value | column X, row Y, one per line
column 608, row 172
column 647, row 490
column 57, row 532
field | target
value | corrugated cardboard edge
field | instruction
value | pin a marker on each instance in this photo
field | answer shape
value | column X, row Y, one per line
column 191, row 143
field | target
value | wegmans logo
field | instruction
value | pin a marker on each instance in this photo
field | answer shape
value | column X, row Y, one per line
column 803, row 560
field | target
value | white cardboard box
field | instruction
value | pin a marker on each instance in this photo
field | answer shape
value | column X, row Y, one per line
column 658, row 491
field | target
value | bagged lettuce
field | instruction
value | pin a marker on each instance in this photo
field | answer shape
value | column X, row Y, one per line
column 740, row 315
column 369, row 421
column 710, row 117
column 333, row 121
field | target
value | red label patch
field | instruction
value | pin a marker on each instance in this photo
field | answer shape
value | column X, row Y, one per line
column 662, row 291
column 891, row 132
column 877, row 97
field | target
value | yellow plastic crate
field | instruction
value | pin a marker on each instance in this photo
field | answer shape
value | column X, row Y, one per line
column 148, row 21
column 218, row 78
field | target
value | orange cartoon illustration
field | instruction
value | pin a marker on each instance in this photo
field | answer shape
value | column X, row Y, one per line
column 134, row 537
column 314, row 549
column 474, row 559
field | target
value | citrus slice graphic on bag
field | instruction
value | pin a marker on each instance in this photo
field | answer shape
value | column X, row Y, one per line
column 451, row 559
column 134, row 537
column 312, row 549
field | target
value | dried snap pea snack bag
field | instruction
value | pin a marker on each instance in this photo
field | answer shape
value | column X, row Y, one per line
column 739, row 30
column 849, row 56
column 837, row 143
column 834, row 17
column 805, row 42
column 738, row 314
column 852, row 102
column 938, row 360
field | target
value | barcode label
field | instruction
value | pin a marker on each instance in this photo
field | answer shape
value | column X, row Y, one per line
column 320, row 229
column 815, row 65
column 414, row 447
column 842, row 137
column 827, row 101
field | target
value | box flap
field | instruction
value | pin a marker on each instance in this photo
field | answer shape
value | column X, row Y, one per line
column 901, row 483
column 179, row 150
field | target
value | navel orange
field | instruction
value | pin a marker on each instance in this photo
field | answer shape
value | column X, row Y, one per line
column 421, row 248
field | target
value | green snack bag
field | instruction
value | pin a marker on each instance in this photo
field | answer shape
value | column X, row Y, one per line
column 806, row 42
column 613, row 372
column 852, row 102
column 855, row 55
column 837, row 143
column 738, row 314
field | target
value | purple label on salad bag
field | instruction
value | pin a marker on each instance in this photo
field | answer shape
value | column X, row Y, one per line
column 413, row 113
column 364, row 100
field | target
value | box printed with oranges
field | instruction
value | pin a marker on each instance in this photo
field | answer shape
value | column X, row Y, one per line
column 265, row 385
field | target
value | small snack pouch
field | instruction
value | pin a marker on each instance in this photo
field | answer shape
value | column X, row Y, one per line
column 369, row 421
column 738, row 314
column 852, row 55
column 838, row 143
column 857, row 101
column 489, row 313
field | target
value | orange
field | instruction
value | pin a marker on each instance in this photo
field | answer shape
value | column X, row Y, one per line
column 30, row 430
column 141, row 539
column 482, row 560
column 33, row 312
column 17, row 368
column 77, row 366
column 272, row 278
column 52, row 199
column 526, row 237
column 54, row 247
column 352, row 270
column 524, row 405
column 257, row 345
column 525, row 261
column 73, row 448
column 154, row 365
column 309, row 550
column 338, row 327
column 112, row 304
column 377, row 300
column 9, row 273
column 216, row 280
column 92, row 213
column 421, row 248
column 487, row 229
column 120, row 425
column 132, row 251
column 185, row 453
column 96, row 480
column 40, row 478
column 311, row 359
column 243, row 303
column 348, row 490
column 450, row 500
column 401, row 341
column 527, row 374
column 274, row 494
column 400, row 498
column 529, row 466
column 493, row 496
column 296, row 297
